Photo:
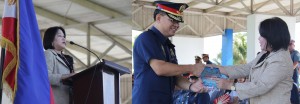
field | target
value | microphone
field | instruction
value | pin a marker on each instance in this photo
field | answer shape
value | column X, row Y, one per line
column 72, row 43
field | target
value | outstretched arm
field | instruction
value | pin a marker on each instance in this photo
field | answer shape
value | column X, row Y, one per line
column 162, row 68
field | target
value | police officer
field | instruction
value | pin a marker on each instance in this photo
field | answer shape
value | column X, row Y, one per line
column 206, row 59
column 295, row 58
column 156, row 71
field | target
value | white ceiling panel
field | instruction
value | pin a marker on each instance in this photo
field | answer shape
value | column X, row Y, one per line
column 121, row 6
column 202, row 6
column 117, row 29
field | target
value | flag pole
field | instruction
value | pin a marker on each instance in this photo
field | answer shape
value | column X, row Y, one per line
column 1, row 72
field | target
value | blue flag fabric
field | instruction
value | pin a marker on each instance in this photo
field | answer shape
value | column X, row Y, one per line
column 33, row 86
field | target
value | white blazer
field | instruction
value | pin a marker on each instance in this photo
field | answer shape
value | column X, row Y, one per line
column 270, row 80
column 56, row 68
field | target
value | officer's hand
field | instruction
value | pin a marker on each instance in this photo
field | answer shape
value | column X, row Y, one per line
column 198, row 87
column 198, row 68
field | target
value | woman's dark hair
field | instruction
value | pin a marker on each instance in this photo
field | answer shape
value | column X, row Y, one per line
column 276, row 32
column 49, row 36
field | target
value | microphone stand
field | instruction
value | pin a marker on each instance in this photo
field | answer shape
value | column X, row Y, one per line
column 72, row 43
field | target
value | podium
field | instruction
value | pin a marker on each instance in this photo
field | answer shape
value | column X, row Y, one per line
column 99, row 84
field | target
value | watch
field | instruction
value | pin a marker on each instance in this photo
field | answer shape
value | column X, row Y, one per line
column 232, row 88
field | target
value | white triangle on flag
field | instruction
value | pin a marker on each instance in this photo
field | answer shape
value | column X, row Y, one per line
column 9, row 10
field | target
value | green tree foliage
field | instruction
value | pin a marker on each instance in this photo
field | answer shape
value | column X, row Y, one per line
column 239, row 50
column 218, row 59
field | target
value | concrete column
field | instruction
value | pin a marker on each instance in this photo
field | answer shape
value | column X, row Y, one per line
column 253, row 22
column 227, row 47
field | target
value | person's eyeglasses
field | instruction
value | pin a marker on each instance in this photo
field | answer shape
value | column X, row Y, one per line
column 173, row 21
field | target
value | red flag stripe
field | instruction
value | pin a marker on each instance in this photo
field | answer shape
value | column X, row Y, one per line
column 52, row 101
column 8, row 28
column 8, row 41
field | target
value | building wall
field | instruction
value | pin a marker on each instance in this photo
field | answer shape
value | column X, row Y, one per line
column 187, row 48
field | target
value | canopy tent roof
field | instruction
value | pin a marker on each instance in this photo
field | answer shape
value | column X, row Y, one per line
column 103, row 26
column 206, row 18
column 106, row 23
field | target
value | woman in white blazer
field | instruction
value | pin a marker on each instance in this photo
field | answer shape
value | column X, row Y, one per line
column 270, row 73
column 59, row 66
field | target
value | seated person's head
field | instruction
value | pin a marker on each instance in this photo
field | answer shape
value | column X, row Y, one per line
column 292, row 45
column 198, row 59
column 205, row 57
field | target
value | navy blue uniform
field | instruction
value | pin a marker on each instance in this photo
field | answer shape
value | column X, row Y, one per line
column 150, row 88
column 209, row 62
column 294, row 93
column 295, row 57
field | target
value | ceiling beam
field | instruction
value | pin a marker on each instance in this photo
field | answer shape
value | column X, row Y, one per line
column 61, row 19
column 122, row 60
column 107, row 57
column 242, row 26
column 124, row 42
column 221, row 1
column 193, row 30
column 121, row 19
column 114, row 40
column 260, row 5
column 217, row 26
column 219, row 6
column 137, row 9
column 125, row 18
column 292, row 7
column 282, row 7
column 53, row 16
column 296, row 11
column 181, row 28
column 193, row 3
column 104, row 53
column 245, row 6
column 222, row 6
column 276, row 10
column 196, row 11
column 256, row 6
column 107, row 50
column 101, row 9
column 98, row 8
column 142, row 3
